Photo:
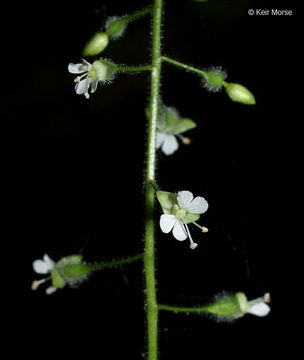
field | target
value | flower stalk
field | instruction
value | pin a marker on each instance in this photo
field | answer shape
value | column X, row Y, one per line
column 227, row 307
column 131, row 69
column 185, row 67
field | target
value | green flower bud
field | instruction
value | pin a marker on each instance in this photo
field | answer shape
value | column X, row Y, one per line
column 116, row 26
column 96, row 44
column 239, row 93
column 228, row 307
column 104, row 70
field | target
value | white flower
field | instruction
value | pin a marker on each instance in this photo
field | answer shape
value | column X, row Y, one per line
column 170, row 125
column 84, row 81
column 182, row 214
column 167, row 143
column 259, row 306
column 44, row 267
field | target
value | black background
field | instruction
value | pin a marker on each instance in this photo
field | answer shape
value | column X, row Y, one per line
column 72, row 174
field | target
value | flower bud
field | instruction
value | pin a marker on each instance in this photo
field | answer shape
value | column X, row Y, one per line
column 229, row 307
column 104, row 70
column 239, row 93
column 96, row 44
column 116, row 26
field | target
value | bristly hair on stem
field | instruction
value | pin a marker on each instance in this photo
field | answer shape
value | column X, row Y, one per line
column 149, row 253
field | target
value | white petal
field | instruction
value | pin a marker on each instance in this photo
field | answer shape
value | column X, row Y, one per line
column 50, row 290
column 179, row 231
column 260, row 309
column 184, row 199
column 94, row 84
column 170, row 144
column 197, row 206
column 82, row 86
column 77, row 68
column 41, row 267
column 48, row 261
column 167, row 222
column 160, row 138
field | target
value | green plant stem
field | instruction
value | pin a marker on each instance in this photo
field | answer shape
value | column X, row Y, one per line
column 122, row 68
column 177, row 309
column 138, row 14
column 113, row 263
column 186, row 67
column 149, row 253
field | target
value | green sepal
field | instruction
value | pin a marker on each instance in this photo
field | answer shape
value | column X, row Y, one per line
column 103, row 69
column 214, row 78
column 242, row 302
column 71, row 259
column 182, row 125
column 57, row 280
column 75, row 271
column 72, row 270
column 191, row 217
column 116, row 26
column 167, row 200
column 228, row 306
column 170, row 114
column 170, row 122
column 96, row 44
column 239, row 93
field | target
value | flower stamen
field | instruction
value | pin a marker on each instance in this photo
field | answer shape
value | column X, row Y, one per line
column 202, row 228
column 37, row 283
column 267, row 298
column 78, row 78
column 184, row 139
column 193, row 245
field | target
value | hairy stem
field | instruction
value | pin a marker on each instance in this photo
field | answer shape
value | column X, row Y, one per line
column 134, row 68
column 186, row 310
column 149, row 254
column 114, row 263
column 185, row 67
column 138, row 13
